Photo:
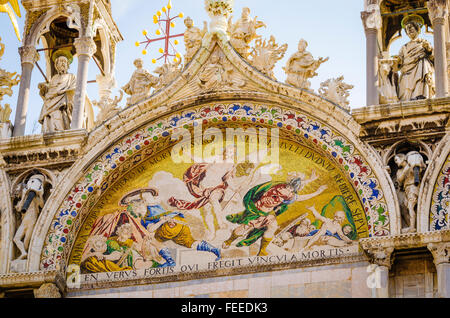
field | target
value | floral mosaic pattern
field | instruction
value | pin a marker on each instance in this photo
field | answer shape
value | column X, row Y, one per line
column 140, row 144
column 439, row 217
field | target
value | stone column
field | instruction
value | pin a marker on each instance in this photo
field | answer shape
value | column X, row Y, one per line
column 438, row 11
column 382, row 258
column 372, row 24
column 29, row 56
column 86, row 48
column 441, row 255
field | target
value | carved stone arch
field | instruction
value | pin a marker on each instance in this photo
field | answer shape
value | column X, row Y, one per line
column 434, row 194
column 7, row 221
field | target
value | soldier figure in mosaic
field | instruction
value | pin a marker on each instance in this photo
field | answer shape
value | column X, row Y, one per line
column 263, row 204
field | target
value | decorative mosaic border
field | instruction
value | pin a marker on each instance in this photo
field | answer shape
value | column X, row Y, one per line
column 134, row 148
column 440, row 206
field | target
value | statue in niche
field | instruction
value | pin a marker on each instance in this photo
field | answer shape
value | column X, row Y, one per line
column 58, row 96
column 243, row 32
column 140, row 84
column 30, row 204
column 192, row 38
column 302, row 66
column 408, row 177
column 416, row 63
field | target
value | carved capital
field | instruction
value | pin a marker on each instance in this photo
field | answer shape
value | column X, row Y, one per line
column 381, row 256
column 28, row 54
column 85, row 46
column 371, row 18
column 48, row 290
column 437, row 10
column 440, row 251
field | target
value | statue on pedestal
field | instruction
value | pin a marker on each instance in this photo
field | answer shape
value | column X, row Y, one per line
column 410, row 75
column 302, row 66
column 140, row 84
column 416, row 63
column 192, row 38
column 58, row 96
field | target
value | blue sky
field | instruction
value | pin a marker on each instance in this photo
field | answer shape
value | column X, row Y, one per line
column 332, row 29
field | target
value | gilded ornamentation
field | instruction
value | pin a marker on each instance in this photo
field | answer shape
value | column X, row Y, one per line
column 11, row 7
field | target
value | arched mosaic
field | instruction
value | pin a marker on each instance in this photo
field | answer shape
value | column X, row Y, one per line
column 147, row 141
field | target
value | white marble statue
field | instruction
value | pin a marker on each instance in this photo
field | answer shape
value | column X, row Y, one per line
column 409, row 170
column 243, row 32
column 58, row 96
column 192, row 38
column 30, row 204
column 140, row 84
column 302, row 66
column 415, row 63
column 336, row 91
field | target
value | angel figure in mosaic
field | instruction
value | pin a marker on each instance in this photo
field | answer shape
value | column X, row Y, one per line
column 331, row 232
